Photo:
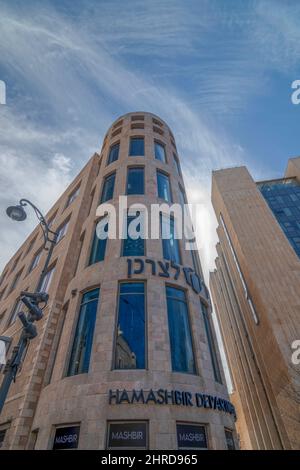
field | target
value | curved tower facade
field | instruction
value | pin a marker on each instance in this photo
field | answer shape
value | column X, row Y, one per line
column 132, row 361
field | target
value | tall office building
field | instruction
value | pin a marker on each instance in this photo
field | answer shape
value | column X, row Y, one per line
column 256, row 293
column 125, row 355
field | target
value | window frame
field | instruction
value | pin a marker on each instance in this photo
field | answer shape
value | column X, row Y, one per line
column 62, row 229
column 51, row 271
column 74, row 330
column 125, row 421
column 166, row 175
column 135, row 167
column 177, row 165
column 115, row 144
column 211, row 343
column 187, row 303
column 163, row 146
column 37, row 255
column 17, row 308
column 132, row 138
column 105, row 179
column 124, row 239
column 73, row 195
column 89, row 263
column 164, row 240
column 228, row 430
column 193, row 423
column 131, row 281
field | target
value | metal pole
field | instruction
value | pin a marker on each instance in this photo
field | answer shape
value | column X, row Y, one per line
column 11, row 369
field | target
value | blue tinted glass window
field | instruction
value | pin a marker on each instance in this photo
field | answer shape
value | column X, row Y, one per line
column 83, row 340
column 98, row 246
column 113, row 153
column 133, row 246
column 180, row 332
column 170, row 244
column 130, row 334
column 211, row 344
column 283, row 198
column 163, row 187
column 160, row 152
column 136, row 148
column 135, row 181
column 108, row 188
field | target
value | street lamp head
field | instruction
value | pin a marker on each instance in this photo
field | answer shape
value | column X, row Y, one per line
column 16, row 213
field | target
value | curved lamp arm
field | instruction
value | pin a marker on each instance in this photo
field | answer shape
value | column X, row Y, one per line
column 42, row 220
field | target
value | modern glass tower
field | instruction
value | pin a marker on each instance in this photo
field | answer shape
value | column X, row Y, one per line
column 283, row 198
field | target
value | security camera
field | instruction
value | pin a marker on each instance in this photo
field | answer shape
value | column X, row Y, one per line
column 37, row 297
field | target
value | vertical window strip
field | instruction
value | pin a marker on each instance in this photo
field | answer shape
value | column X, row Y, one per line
column 247, row 295
column 211, row 344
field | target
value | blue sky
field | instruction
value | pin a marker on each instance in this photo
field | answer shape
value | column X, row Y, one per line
column 219, row 72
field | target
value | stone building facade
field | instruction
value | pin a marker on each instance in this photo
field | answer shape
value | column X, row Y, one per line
column 256, row 294
column 126, row 355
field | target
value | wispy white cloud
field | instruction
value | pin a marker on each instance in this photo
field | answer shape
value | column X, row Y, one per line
column 76, row 77
column 71, row 72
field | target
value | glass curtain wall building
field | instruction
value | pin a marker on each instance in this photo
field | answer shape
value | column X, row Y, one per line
column 283, row 198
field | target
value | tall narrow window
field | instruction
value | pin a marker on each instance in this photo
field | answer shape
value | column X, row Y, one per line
column 3, row 277
column 113, row 153
column 15, row 264
column 160, row 152
column 130, row 334
column 73, row 196
column 133, row 246
column 182, row 196
column 2, row 437
column 15, row 281
column 81, row 241
column 51, row 219
column 177, row 165
column 18, row 306
column 2, row 292
column 170, row 244
column 35, row 260
column 135, row 180
column 211, row 344
column 229, row 439
column 47, row 280
column 82, row 344
column 137, row 147
column 163, row 186
column 108, row 188
column 196, row 264
column 32, row 242
column 99, row 245
column 62, row 231
column 180, row 332
column 92, row 195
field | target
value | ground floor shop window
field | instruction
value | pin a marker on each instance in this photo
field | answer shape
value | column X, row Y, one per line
column 127, row 435
column 229, row 439
column 66, row 437
column 191, row 436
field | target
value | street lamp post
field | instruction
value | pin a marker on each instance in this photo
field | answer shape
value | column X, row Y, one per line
column 30, row 299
